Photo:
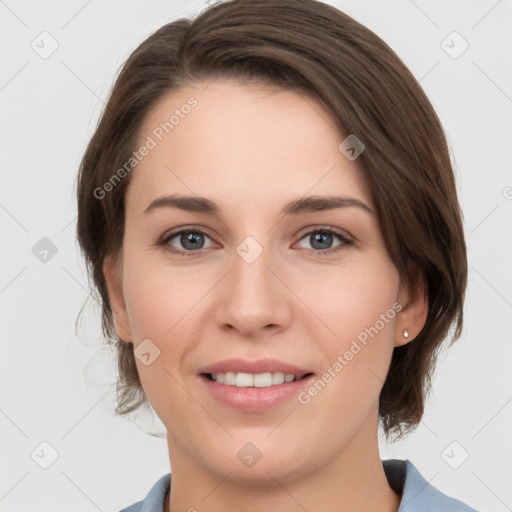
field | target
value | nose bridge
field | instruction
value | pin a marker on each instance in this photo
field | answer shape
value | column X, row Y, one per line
column 254, row 295
column 251, row 275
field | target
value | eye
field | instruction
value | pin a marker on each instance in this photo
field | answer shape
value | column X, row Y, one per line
column 320, row 239
column 192, row 240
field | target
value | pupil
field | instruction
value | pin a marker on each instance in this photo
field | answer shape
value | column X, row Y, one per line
column 190, row 238
column 318, row 237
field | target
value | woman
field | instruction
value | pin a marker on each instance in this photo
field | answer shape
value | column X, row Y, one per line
column 269, row 213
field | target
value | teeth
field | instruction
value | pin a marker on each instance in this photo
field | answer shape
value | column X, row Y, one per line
column 261, row 380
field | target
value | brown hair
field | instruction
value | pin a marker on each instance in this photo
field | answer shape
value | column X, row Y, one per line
column 315, row 49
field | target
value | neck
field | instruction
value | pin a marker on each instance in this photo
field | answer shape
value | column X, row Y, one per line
column 352, row 479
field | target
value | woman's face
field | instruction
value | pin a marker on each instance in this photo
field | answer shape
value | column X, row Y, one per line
column 254, row 283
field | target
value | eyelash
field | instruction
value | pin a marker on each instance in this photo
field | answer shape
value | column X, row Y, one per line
column 165, row 240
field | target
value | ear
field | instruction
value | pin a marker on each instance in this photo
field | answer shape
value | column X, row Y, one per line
column 413, row 315
column 112, row 270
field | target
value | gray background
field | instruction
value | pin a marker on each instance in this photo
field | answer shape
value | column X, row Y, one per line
column 58, row 387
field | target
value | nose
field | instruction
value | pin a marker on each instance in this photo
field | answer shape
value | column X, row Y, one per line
column 254, row 297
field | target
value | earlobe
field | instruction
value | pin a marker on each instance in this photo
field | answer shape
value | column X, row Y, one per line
column 112, row 273
column 413, row 315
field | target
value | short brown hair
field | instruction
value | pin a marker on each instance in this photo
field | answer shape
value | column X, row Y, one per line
column 312, row 48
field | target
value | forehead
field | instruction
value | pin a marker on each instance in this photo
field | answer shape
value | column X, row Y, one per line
column 242, row 145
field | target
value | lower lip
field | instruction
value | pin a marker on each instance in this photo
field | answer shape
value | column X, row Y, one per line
column 253, row 399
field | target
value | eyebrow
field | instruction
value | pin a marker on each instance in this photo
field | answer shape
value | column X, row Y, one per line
column 296, row 207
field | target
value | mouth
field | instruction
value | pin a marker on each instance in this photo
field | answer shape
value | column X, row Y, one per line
column 260, row 380
column 255, row 393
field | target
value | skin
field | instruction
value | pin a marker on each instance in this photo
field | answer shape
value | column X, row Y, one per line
column 250, row 150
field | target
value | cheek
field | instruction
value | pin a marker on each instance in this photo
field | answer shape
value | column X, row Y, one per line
column 158, row 302
column 158, row 297
column 358, row 308
column 354, row 297
column 151, row 314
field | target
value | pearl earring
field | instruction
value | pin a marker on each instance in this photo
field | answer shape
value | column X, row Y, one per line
column 406, row 333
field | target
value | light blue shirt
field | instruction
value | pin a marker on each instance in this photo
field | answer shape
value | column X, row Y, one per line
column 403, row 477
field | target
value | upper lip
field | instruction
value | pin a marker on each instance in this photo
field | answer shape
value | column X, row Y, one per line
column 255, row 367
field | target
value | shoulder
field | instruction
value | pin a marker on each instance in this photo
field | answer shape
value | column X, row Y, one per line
column 418, row 495
column 154, row 500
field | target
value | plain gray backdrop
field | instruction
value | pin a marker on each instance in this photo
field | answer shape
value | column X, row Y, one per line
column 58, row 62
